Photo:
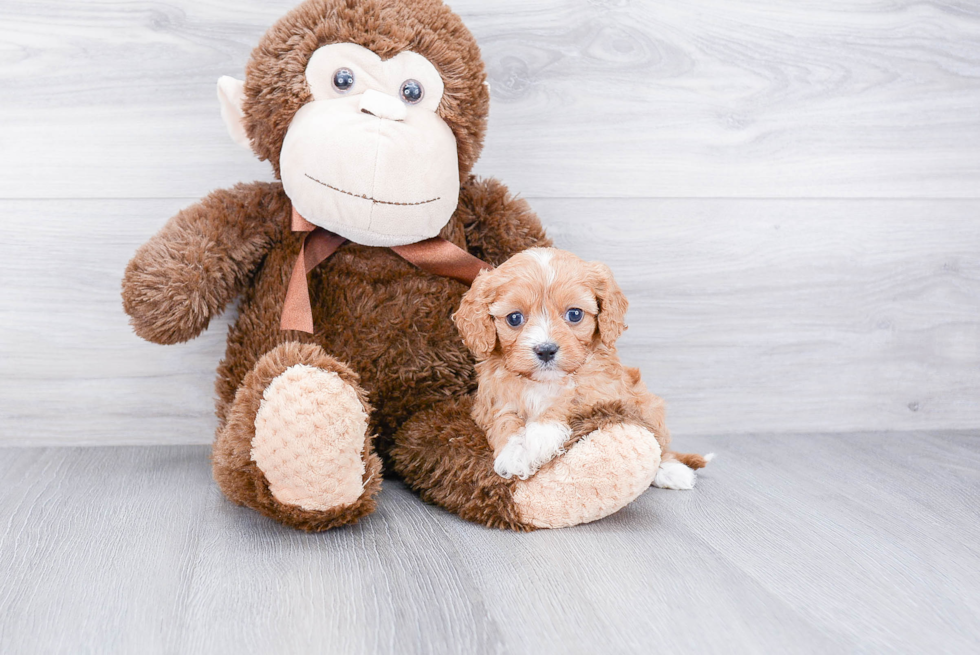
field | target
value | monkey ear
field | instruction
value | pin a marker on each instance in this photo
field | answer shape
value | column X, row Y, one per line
column 473, row 318
column 231, row 95
column 612, row 304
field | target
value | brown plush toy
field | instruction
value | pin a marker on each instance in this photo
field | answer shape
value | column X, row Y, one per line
column 372, row 114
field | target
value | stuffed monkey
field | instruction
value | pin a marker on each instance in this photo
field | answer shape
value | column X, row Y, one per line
column 344, row 358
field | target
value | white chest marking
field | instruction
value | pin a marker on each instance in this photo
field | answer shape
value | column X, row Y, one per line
column 537, row 397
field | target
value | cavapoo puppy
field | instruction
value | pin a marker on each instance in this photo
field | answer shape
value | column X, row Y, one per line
column 543, row 327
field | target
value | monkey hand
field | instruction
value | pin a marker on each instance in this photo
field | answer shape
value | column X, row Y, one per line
column 199, row 261
column 165, row 294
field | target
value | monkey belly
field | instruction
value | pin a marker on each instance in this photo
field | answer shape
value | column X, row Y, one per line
column 392, row 324
column 372, row 310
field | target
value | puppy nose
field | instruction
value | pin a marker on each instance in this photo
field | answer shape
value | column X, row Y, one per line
column 382, row 105
column 546, row 351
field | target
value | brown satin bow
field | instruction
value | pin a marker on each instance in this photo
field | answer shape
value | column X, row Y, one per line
column 435, row 255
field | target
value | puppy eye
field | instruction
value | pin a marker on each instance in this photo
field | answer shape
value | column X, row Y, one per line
column 411, row 91
column 515, row 319
column 574, row 315
column 343, row 80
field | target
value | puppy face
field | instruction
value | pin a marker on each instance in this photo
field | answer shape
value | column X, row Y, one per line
column 543, row 311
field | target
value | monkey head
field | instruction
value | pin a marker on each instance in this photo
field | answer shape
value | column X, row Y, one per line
column 370, row 111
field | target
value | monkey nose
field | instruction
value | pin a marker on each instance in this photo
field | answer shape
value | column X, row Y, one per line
column 546, row 351
column 382, row 105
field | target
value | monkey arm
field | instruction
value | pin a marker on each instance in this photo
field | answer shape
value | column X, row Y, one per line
column 497, row 225
column 201, row 259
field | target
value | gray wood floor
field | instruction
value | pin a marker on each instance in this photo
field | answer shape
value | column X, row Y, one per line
column 811, row 544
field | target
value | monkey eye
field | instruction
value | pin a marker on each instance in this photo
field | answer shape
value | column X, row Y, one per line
column 515, row 319
column 343, row 80
column 574, row 315
column 411, row 91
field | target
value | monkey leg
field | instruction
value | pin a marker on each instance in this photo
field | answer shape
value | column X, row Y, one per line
column 445, row 457
column 295, row 445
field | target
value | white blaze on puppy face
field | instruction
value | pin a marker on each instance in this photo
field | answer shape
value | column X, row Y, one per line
column 537, row 332
column 543, row 257
column 543, row 285
column 365, row 159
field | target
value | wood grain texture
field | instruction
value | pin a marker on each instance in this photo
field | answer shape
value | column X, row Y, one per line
column 747, row 316
column 702, row 98
column 805, row 544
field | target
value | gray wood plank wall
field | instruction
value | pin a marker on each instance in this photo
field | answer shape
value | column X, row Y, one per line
column 788, row 191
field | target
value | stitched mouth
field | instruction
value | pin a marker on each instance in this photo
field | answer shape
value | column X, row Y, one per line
column 380, row 202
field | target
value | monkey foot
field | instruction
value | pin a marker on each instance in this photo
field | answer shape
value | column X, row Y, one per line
column 296, row 445
column 599, row 475
column 443, row 455
column 309, row 434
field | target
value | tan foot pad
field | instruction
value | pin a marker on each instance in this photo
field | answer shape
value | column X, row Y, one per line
column 599, row 475
column 309, row 434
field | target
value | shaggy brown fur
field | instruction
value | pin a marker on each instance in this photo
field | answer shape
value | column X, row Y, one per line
column 590, row 419
column 201, row 260
column 446, row 458
column 586, row 420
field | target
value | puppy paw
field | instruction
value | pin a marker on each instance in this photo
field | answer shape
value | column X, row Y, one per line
column 531, row 449
column 514, row 460
column 674, row 475
column 545, row 441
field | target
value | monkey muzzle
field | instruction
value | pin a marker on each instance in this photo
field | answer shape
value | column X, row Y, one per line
column 371, row 169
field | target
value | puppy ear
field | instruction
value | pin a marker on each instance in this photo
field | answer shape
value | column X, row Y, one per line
column 473, row 318
column 612, row 304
